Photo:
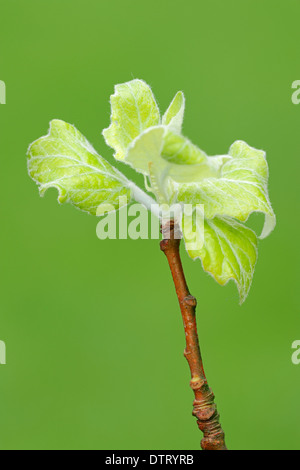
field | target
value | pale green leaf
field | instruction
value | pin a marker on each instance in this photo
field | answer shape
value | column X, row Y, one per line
column 240, row 189
column 144, row 155
column 166, row 157
column 146, row 149
column 64, row 159
column 173, row 117
column 133, row 109
column 179, row 150
column 228, row 250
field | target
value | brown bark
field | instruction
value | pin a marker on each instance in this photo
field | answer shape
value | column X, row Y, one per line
column 205, row 409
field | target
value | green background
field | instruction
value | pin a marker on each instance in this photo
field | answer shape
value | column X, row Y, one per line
column 93, row 331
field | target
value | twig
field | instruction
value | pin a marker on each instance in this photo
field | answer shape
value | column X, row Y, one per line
column 205, row 409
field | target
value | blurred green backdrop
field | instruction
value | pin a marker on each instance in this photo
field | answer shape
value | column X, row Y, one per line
column 93, row 331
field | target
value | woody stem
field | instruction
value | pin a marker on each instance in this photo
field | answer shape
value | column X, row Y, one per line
column 205, row 409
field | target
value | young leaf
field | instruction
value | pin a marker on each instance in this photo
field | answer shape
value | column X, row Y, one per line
column 64, row 159
column 162, row 154
column 240, row 189
column 133, row 109
column 144, row 155
column 173, row 117
column 227, row 248
column 229, row 251
column 180, row 150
